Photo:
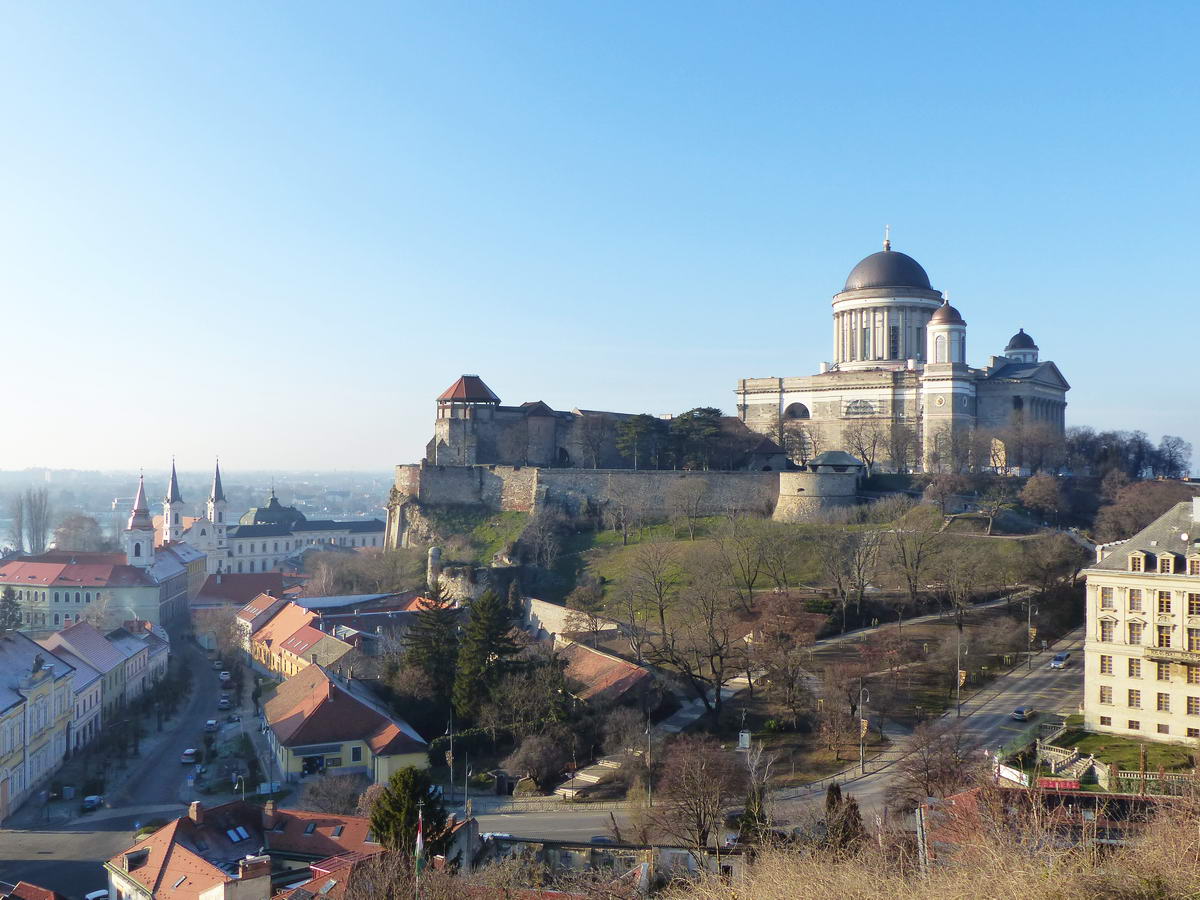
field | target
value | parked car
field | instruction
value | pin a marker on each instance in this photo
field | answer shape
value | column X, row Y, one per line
column 188, row 757
column 224, row 702
column 233, row 718
column 91, row 802
column 217, row 665
column 225, row 677
column 1023, row 713
column 210, row 725
column 1060, row 661
column 601, row 839
column 96, row 895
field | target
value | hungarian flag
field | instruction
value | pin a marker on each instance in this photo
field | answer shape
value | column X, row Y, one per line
column 419, row 854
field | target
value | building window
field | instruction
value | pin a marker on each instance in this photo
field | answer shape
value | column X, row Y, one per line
column 1163, row 729
column 1193, row 674
column 1193, row 732
column 1135, row 632
column 251, row 565
column 1164, row 636
column 1106, row 598
column 1194, row 566
column 1194, row 604
column 1134, row 725
column 1106, row 694
column 1164, row 702
column 333, row 762
column 1166, row 564
column 1135, row 599
column 1106, row 667
column 1106, row 631
column 55, row 596
column 1106, row 721
column 1135, row 562
column 1163, row 671
column 1193, row 706
column 1135, row 699
column 1193, row 639
column 356, row 754
column 1164, row 603
column 89, row 597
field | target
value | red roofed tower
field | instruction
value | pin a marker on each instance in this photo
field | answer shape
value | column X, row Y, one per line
column 460, row 407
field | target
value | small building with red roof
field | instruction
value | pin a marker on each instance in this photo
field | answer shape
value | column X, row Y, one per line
column 318, row 722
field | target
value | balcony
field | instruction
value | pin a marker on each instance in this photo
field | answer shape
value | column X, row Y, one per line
column 1166, row 654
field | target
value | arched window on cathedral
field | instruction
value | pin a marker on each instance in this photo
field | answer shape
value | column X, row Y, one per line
column 137, row 549
column 796, row 411
column 939, row 349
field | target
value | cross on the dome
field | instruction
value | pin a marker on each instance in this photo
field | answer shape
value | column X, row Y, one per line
column 887, row 237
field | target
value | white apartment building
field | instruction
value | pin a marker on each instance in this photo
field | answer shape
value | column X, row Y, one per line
column 1142, row 651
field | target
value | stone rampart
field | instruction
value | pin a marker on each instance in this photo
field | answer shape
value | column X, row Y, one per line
column 786, row 496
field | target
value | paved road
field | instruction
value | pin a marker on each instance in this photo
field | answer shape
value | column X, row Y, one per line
column 68, row 856
column 986, row 720
column 568, row 825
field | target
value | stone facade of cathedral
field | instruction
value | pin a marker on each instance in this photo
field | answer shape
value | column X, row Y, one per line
column 899, row 392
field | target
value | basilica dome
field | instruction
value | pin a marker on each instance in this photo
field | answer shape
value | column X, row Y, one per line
column 888, row 268
column 1021, row 341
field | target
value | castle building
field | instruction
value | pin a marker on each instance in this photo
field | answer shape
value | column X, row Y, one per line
column 899, row 392
column 1142, row 648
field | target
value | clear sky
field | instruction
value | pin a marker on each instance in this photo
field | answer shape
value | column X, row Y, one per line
column 276, row 231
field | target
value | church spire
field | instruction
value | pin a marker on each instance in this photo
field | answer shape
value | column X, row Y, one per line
column 139, row 516
column 218, row 492
column 173, row 494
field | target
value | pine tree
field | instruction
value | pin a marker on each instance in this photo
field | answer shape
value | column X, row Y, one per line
column 483, row 654
column 394, row 812
column 431, row 644
column 10, row 610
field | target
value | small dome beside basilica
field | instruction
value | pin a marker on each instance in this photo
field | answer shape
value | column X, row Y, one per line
column 1021, row 341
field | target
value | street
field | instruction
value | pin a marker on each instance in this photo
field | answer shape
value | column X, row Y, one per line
column 986, row 720
column 152, row 788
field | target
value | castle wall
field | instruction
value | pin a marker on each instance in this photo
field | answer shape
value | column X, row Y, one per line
column 657, row 493
column 802, row 495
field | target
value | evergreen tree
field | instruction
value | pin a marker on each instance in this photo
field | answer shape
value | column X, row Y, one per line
column 394, row 812
column 483, row 654
column 431, row 644
column 10, row 610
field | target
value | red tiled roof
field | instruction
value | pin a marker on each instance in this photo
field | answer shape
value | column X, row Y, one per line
column 301, row 639
column 171, row 871
column 82, row 575
column 331, row 835
column 469, row 389
column 240, row 588
column 23, row 890
column 600, row 674
column 260, row 605
column 283, row 625
column 309, row 708
column 89, row 645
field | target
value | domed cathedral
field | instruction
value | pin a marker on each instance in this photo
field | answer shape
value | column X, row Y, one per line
column 899, row 392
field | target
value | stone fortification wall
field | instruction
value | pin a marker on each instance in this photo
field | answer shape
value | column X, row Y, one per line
column 659, row 493
column 803, row 495
column 787, row 496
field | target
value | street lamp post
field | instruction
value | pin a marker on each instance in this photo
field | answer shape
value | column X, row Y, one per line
column 649, row 769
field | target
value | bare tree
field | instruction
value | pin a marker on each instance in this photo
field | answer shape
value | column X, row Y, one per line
column 595, row 432
column 801, row 439
column 941, row 762
column 866, row 439
column 16, row 515
column 699, row 781
column 337, row 794
column 37, row 519
column 910, row 551
column 685, row 498
column 623, row 506
column 78, row 532
column 901, row 446
column 543, row 535
column 741, row 546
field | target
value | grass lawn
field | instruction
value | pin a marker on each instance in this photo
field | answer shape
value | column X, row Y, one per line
column 1123, row 751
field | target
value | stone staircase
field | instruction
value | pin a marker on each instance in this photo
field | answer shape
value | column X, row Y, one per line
column 593, row 774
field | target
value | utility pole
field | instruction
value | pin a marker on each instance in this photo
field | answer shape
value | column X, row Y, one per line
column 1032, row 612
column 649, row 769
column 863, row 696
column 450, row 759
column 959, row 677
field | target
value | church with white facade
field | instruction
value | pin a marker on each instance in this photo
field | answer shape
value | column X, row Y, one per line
column 899, row 387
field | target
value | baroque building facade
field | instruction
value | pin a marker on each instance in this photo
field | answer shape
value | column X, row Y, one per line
column 899, row 391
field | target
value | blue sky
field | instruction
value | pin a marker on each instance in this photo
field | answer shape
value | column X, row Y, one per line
column 276, row 231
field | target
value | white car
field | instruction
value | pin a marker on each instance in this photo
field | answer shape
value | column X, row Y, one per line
column 97, row 895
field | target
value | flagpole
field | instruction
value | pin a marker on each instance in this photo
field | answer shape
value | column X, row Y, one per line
column 419, row 850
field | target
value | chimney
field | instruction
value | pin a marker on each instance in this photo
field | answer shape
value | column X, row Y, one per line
column 196, row 812
column 268, row 815
column 254, row 867
column 218, row 578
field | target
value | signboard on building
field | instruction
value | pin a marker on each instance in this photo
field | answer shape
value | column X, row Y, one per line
column 1059, row 784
